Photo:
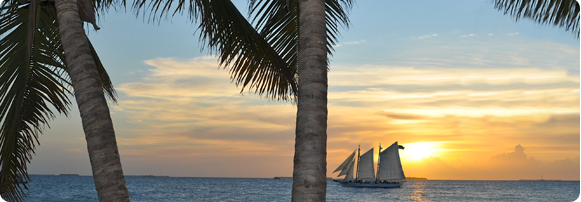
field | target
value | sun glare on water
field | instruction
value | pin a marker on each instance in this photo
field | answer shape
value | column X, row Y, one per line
column 418, row 150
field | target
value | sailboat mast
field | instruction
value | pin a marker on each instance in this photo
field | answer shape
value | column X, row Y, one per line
column 358, row 159
column 378, row 159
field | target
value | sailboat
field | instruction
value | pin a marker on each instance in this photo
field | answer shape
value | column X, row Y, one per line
column 389, row 170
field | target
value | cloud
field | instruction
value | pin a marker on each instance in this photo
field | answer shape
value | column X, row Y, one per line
column 355, row 42
column 183, row 79
column 369, row 75
column 350, row 43
column 490, row 34
column 512, row 34
column 427, row 36
column 500, row 54
column 401, row 116
column 518, row 156
column 468, row 35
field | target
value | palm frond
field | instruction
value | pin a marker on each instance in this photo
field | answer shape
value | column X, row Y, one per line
column 562, row 13
column 103, row 76
column 278, row 22
column 32, row 78
column 251, row 60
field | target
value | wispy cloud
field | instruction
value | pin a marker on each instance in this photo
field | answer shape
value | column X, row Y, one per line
column 355, row 42
column 386, row 75
column 497, row 54
column 428, row 36
column 468, row 35
column 513, row 34
column 350, row 43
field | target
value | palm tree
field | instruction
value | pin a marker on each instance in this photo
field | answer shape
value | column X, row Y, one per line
column 267, row 61
column 562, row 13
column 35, row 74
column 95, row 116
column 317, row 23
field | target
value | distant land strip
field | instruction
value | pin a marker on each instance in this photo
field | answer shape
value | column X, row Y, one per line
column 416, row 178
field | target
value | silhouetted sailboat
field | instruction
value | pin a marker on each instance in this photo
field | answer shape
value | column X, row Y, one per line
column 389, row 170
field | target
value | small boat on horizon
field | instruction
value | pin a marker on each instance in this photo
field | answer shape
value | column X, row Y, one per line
column 389, row 171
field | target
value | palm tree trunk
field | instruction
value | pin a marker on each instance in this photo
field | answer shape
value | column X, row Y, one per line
column 97, row 123
column 310, row 161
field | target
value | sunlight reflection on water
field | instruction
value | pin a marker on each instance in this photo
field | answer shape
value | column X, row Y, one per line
column 418, row 187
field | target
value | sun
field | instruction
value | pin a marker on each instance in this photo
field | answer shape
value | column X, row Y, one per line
column 418, row 150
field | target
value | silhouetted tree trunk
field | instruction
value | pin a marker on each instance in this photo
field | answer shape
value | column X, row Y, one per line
column 310, row 160
column 95, row 116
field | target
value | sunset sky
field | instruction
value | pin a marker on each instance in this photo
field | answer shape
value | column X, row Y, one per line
column 470, row 93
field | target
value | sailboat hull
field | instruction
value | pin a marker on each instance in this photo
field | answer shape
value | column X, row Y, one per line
column 371, row 184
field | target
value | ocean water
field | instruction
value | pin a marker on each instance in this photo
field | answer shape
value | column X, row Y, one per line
column 81, row 188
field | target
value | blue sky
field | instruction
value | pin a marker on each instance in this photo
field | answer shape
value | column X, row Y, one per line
column 457, row 77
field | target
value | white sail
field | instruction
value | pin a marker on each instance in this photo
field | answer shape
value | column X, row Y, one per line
column 349, row 173
column 344, row 171
column 366, row 170
column 345, row 164
column 390, row 165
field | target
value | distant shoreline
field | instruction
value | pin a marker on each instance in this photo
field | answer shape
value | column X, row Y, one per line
column 416, row 178
column 68, row 174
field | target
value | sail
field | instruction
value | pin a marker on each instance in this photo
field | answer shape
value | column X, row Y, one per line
column 345, row 164
column 366, row 170
column 349, row 173
column 346, row 169
column 389, row 164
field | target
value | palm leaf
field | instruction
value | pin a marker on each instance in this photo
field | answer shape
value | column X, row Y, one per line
column 106, row 83
column 252, row 62
column 32, row 78
column 562, row 13
column 278, row 22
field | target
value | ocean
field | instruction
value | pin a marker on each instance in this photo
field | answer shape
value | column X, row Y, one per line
column 44, row 188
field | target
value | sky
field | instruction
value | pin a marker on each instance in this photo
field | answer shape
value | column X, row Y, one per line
column 470, row 93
